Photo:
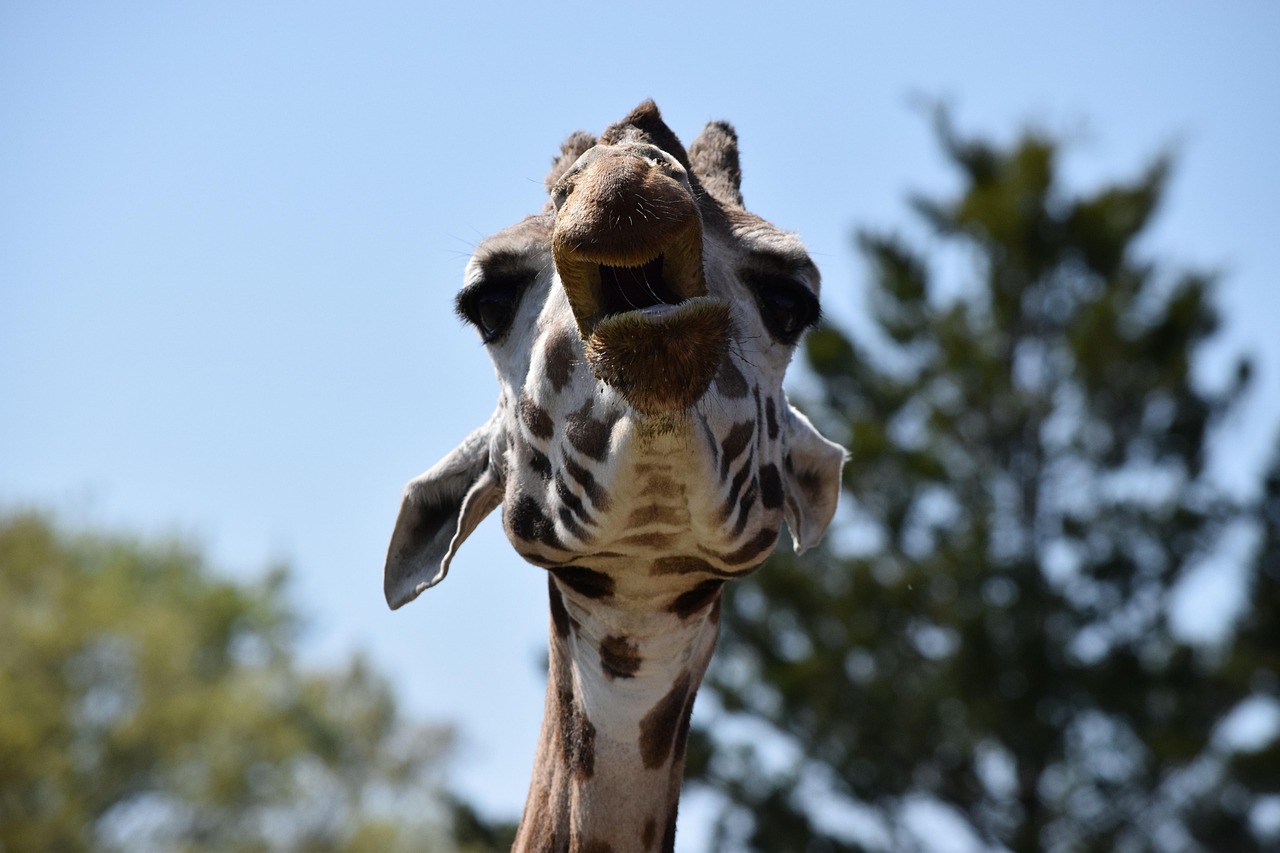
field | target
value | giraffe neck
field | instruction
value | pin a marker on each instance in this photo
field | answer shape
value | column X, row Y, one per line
column 623, row 676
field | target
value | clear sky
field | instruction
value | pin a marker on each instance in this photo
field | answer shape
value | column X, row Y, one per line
column 230, row 234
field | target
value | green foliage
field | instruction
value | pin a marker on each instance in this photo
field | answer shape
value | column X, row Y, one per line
column 989, row 626
column 147, row 705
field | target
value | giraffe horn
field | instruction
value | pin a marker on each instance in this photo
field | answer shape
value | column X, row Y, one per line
column 578, row 143
column 714, row 157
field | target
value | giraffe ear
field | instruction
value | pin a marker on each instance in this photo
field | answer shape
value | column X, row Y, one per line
column 714, row 156
column 437, row 513
column 811, row 482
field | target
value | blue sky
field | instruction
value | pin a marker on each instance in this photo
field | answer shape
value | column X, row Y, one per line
column 231, row 234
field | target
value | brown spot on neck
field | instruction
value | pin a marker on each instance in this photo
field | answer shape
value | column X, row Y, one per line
column 755, row 550
column 659, row 727
column 650, row 541
column 680, row 566
column 650, row 834
column 559, row 615
column 658, row 514
column 585, row 582
column 577, row 737
column 695, row 600
column 619, row 657
column 661, row 486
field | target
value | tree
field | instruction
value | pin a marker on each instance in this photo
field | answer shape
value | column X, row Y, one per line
column 986, row 635
column 147, row 705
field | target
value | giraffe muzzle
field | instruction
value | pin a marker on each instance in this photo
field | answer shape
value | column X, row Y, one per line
column 627, row 245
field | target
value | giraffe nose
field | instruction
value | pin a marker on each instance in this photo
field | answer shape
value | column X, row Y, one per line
column 628, row 234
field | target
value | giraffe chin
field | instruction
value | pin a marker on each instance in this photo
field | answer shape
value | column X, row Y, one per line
column 661, row 359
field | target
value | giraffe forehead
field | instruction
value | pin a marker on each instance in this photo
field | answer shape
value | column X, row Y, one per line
column 526, row 242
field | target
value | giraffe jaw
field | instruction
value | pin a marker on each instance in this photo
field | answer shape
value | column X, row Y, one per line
column 651, row 331
column 661, row 358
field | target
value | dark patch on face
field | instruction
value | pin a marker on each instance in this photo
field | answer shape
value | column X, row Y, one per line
column 735, row 489
column 734, row 443
column 577, row 737
column 649, row 835
column 571, row 501
column 576, row 530
column 587, row 480
column 585, row 582
column 729, row 380
column 588, row 435
column 594, row 845
column 771, row 418
column 655, row 514
column 759, row 544
column 559, row 616
column 562, row 357
column 714, row 615
column 526, row 520
column 536, row 419
column 680, row 566
column 770, row 487
column 693, row 601
column 619, row 657
column 539, row 463
column 745, row 506
column 658, row 728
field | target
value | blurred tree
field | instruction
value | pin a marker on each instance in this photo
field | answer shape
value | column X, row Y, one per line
column 147, row 705
column 984, row 642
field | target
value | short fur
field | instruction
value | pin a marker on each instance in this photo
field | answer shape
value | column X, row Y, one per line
column 642, row 448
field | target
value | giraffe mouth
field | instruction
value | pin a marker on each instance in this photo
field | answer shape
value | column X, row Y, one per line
column 636, row 288
column 652, row 331
column 657, row 346
column 605, row 285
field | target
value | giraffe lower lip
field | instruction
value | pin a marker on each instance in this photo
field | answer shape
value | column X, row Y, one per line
column 661, row 358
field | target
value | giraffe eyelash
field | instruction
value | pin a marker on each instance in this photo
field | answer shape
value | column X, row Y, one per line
column 490, row 304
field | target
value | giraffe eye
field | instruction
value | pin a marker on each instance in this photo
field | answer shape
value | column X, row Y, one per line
column 491, row 305
column 786, row 307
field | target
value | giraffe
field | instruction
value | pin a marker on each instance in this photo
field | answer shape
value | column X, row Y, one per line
column 643, row 451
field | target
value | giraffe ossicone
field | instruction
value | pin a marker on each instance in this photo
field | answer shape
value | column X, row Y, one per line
column 642, row 448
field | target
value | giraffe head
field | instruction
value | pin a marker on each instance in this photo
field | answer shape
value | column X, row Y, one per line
column 640, row 326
